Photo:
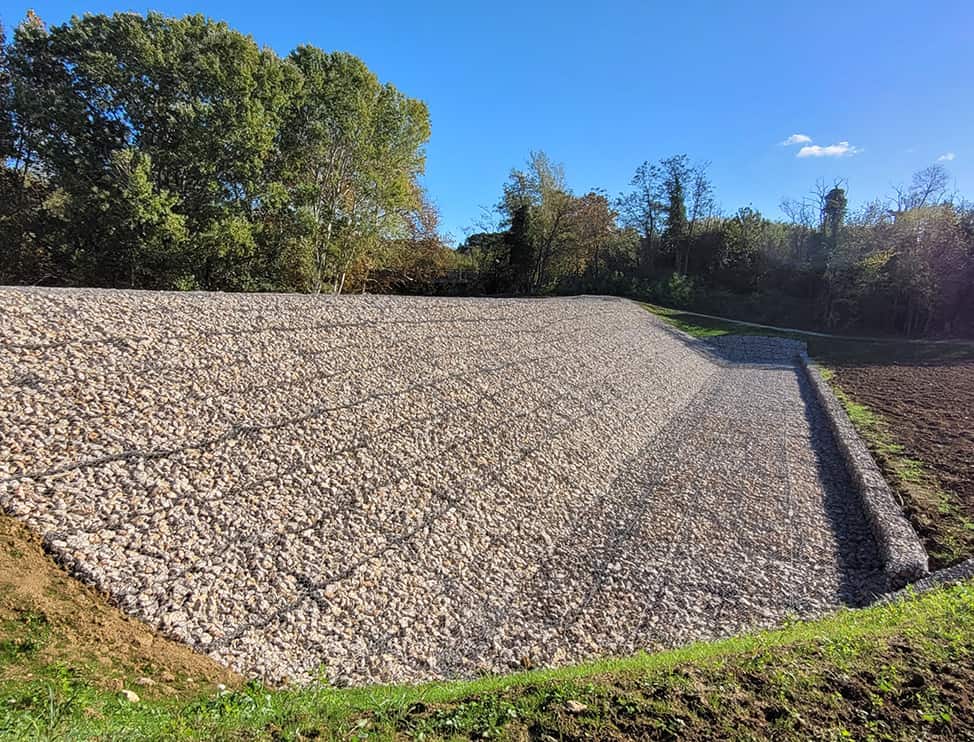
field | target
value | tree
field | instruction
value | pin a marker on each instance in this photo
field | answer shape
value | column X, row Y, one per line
column 198, row 99
column 419, row 262
column 643, row 210
column 833, row 217
column 278, row 173
column 834, row 204
column 927, row 188
column 7, row 150
column 593, row 228
column 520, row 256
column 352, row 149
column 148, row 238
column 701, row 202
column 542, row 189
column 676, row 176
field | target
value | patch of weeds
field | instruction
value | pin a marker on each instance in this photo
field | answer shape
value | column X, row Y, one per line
column 483, row 718
column 23, row 637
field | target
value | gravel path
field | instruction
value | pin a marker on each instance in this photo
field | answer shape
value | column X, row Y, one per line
column 397, row 489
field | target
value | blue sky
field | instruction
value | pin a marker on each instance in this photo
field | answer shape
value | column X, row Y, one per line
column 603, row 86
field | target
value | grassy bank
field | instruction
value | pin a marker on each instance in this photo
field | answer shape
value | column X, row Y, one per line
column 888, row 672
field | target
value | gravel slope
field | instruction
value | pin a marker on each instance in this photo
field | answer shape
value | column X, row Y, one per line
column 388, row 488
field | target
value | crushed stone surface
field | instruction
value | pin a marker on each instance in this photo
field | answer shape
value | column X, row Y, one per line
column 383, row 489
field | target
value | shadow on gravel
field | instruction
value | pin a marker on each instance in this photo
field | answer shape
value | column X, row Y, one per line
column 858, row 555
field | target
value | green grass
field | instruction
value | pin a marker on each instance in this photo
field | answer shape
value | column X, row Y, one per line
column 701, row 327
column 23, row 638
column 827, row 350
column 890, row 671
column 706, row 327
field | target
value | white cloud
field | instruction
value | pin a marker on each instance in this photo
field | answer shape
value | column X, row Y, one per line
column 797, row 139
column 841, row 149
column 946, row 157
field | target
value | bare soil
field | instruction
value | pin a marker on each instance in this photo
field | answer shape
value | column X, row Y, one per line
column 930, row 410
column 48, row 619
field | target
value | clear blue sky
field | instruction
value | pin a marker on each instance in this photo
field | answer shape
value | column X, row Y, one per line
column 603, row 86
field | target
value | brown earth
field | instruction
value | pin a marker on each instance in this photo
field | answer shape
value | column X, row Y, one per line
column 930, row 412
column 50, row 620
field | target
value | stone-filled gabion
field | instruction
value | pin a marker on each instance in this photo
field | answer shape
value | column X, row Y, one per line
column 903, row 556
column 397, row 489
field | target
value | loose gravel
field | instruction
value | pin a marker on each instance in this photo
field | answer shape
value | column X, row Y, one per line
column 379, row 489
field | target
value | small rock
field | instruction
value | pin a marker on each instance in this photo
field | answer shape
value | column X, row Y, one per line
column 576, row 707
column 130, row 695
column 145, row 681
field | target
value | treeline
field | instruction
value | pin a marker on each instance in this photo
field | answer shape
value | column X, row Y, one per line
column 155, row 152
column 902, row 265
column 174, row 153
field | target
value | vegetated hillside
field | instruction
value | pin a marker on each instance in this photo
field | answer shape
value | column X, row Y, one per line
column 379, row 488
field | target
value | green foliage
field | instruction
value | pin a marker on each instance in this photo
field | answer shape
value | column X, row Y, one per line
column 352, row 150
column 677, row 290
column 519, row 247
column 676, row 177
column 149, row 151
column 904, row 271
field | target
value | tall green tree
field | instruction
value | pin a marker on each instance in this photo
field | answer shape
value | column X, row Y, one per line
column 542, row 188
column 352, row 149
column 676, row 178
column 200, row 101
column 520, row 250
column 128, row 139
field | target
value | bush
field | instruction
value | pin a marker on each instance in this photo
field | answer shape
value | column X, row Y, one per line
column 676, row 290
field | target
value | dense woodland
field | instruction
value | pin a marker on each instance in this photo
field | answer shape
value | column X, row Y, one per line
column 155, row 152
column 175, row 153
column 900, row 265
